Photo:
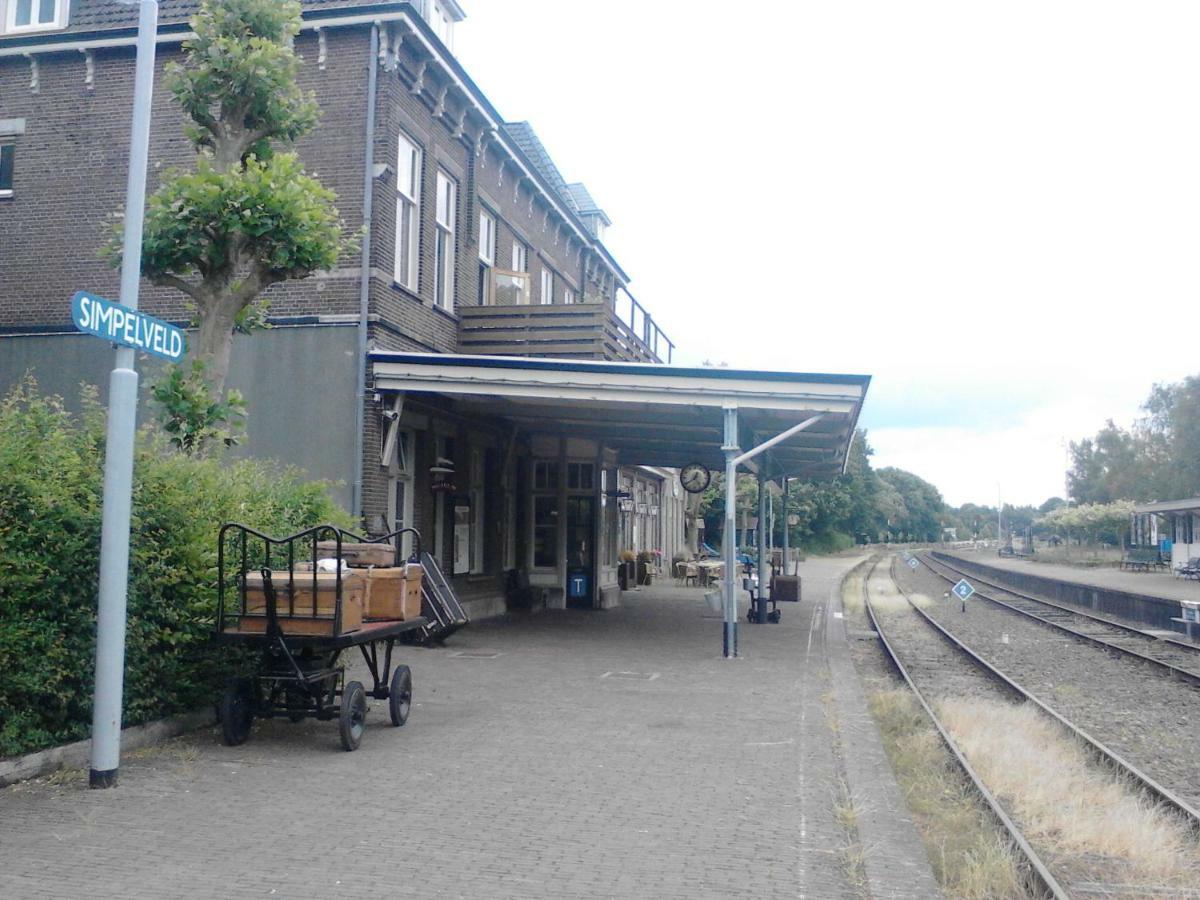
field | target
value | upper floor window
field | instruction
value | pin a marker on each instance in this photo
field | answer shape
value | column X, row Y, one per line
column 568, row 296
column 519, row 257
column 447, row 197
column 7, row 153
column 408, row 218
column 547, row 287
column 487, row 256
column 441, row 22
column 36, row 15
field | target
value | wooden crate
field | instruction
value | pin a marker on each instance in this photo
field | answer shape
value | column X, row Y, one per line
column 303, row 621
column 359, row 555
column 394, row 592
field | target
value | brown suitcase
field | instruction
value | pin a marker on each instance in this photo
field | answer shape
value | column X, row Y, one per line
column 394, row 592
column 299, row 618
column 359, row 555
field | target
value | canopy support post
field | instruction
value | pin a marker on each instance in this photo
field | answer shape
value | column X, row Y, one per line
column 784, row 513
column 764, row 589
column 729, row 537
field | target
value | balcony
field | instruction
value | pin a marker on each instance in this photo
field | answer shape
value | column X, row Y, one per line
column 574, row 331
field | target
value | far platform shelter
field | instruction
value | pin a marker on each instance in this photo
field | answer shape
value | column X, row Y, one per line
column 1181, row 526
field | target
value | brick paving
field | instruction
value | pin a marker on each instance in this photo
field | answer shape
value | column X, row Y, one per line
column 599, row 754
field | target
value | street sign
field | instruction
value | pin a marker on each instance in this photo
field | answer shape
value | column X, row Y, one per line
column 963, row 589
column 127, row 327
column 913, row 562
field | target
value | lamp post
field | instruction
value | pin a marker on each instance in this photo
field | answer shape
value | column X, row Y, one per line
column 122, row 413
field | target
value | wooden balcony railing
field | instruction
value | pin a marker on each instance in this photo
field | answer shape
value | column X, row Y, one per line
column 574, row 331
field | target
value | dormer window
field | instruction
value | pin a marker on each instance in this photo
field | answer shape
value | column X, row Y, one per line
column 441, row 22
column 36, row 15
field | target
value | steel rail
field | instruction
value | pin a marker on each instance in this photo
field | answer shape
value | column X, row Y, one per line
column 1039, row 872
column 1177, row 671
column 1105, row 753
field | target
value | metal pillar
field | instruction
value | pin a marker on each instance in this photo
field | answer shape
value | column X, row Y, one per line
column 122, row 412
column 764, row 581
column 730, row 534
column 784, row 513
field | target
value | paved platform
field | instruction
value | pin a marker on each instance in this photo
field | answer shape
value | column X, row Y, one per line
column 558, row 754
column 1151, row 584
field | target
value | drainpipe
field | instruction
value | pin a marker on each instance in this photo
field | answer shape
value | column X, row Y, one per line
column 364, row 292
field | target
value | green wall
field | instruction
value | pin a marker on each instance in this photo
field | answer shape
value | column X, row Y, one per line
column 298, row 382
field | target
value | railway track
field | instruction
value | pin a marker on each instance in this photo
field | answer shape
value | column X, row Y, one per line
column 1043, row 879
column 1179, row 659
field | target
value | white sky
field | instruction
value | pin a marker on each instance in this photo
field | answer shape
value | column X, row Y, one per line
column 990, row 208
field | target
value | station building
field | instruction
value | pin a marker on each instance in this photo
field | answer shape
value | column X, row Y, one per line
column 478, row 369
column 1171, row 525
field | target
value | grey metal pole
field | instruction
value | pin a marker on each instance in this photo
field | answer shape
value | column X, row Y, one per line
column 730, row 538
column 784, row 512
column 764, row 581
column 122, row 415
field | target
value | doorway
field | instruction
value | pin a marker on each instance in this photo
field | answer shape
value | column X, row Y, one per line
column 581, row 552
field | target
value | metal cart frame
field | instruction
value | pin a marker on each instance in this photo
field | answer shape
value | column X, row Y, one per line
column 300, row 676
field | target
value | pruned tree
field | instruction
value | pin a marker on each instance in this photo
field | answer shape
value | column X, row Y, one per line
column 248, row 216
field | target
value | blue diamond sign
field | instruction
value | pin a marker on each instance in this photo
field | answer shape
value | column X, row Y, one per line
column 963, row 589
column 913, row 562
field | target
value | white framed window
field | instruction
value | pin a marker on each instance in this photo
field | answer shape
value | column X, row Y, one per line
column 520, row 257
column 568, row 296
column 447, row 199
column 487, row 237
column 487, row 255
column 7, row 157
column 36, row 15
column 441, row 23
column 400, row 488
column 547, row 295
column 408, row 213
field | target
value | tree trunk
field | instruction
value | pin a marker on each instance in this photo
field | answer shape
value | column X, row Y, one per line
column 214, row 342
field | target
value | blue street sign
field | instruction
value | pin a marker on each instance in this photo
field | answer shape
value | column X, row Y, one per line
column 913, row 562
column 127, row 327
column 963, row 589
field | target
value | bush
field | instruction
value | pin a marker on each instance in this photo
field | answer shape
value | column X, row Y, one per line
column 827, row 542
column 51, row 474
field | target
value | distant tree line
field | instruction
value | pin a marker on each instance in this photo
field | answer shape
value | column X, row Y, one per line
column 1157, row 459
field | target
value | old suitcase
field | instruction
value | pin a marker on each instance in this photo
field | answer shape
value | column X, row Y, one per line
column 394, row 592
column 360, row 555
column 300, row 616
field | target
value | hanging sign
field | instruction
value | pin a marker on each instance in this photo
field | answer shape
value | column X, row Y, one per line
column 127, row 327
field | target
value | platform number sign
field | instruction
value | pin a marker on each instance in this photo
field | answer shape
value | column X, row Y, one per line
column 963, row 590
column 913, row 562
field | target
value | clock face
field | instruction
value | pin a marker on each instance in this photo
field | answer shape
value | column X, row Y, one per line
column 694, row 478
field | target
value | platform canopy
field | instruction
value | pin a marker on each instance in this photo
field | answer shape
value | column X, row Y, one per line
column 651, row 414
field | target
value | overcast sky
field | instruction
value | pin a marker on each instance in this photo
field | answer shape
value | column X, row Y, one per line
column 992, row 209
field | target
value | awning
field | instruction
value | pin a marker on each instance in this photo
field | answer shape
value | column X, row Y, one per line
column 651, row 414
column 1169, row 506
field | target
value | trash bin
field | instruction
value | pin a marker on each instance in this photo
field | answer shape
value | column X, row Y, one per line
column 715, row 600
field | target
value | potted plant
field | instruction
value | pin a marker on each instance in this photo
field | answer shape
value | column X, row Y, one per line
column 626, row 571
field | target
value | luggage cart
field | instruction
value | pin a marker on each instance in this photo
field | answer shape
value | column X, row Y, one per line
column 300, row 620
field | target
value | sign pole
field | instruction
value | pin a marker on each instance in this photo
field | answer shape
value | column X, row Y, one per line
column 122, row 414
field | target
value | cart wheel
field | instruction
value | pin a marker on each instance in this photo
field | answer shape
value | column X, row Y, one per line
column 400, row 695
column 353, row 716
column 236, row 713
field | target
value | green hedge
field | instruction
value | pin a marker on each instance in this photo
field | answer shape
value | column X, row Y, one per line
column 51, row 473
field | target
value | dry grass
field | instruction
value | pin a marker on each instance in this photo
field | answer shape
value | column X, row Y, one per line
column 886, row 597
column 971, row 859
column 1064, row 802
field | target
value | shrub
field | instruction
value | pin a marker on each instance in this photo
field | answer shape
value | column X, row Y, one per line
column 51, row 474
